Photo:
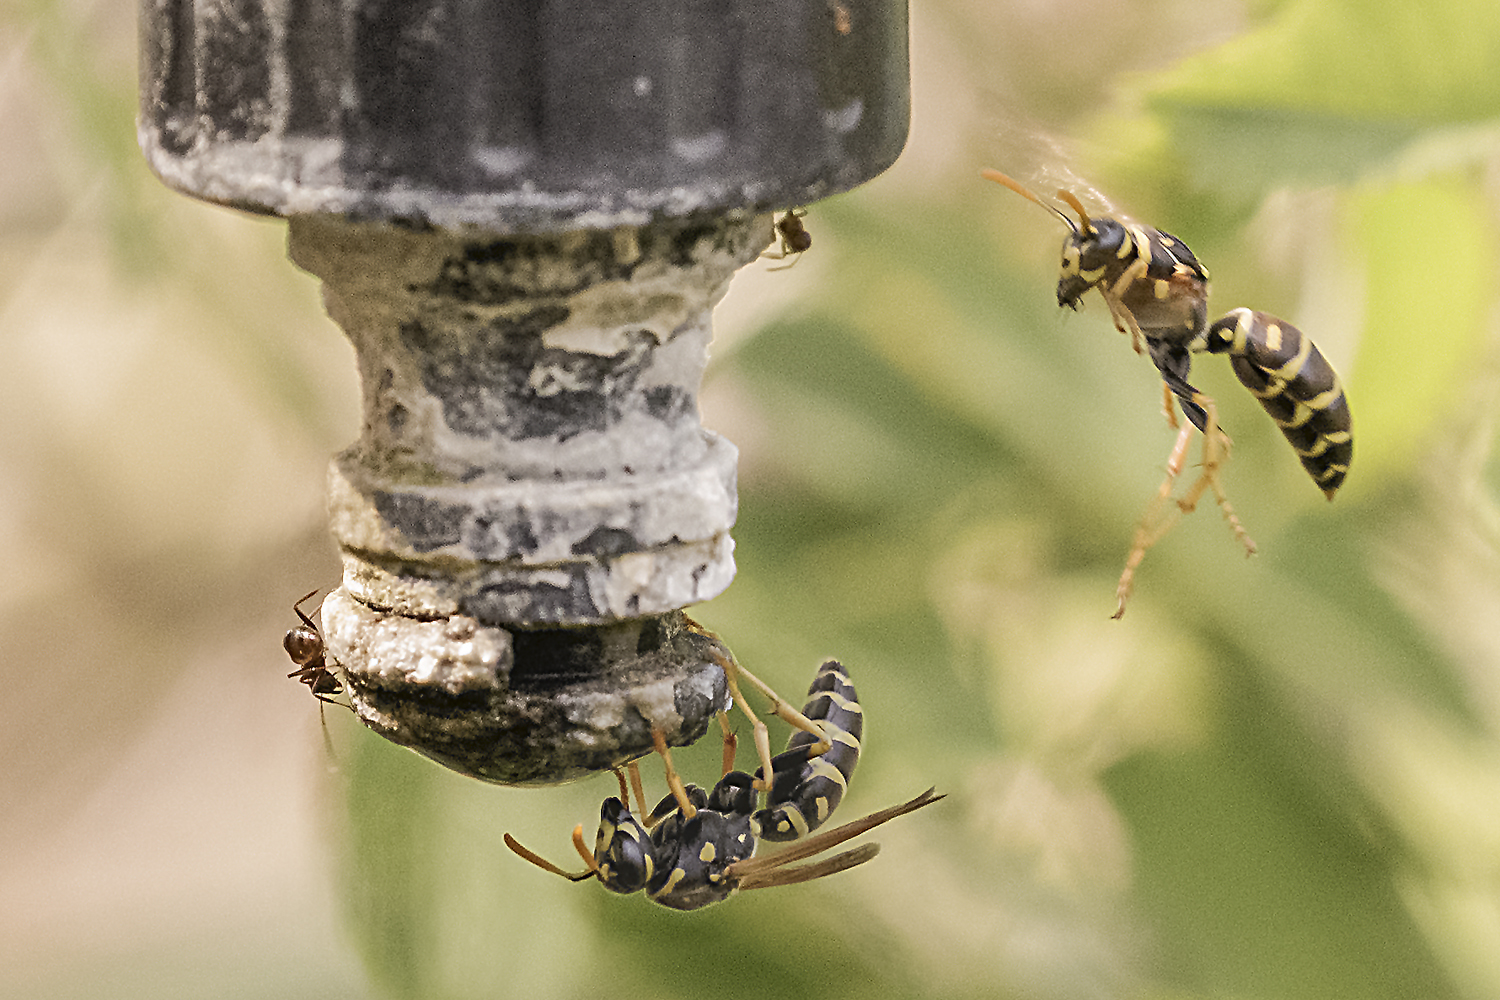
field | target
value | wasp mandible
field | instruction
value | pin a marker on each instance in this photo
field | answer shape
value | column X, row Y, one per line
column 1157, row 292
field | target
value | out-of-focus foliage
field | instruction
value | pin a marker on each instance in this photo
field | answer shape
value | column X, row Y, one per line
column 1274, row 778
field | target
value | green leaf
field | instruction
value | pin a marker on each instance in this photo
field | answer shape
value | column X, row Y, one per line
column 1355, row 59
column 1325, row 89
column 1430, row 262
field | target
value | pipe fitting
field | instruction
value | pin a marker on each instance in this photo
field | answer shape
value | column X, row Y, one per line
column 522, row 215
column 525, row 706
column 531, row 450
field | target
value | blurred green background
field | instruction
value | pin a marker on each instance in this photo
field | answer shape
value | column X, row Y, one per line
column 1275, row 778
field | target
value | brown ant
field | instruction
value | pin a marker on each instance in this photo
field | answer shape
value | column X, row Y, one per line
column 304, row 644
column 794, row 237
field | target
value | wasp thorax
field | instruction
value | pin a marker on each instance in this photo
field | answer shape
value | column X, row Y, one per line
column 1102, row 243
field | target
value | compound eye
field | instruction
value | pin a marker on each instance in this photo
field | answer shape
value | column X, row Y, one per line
column 1072, row 259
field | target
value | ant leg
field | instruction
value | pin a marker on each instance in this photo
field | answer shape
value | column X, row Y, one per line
column 1167, row 409
column 1152, row 527
column 1216, row 445
column 333, row 756
column 298, row 608
column 674, row 780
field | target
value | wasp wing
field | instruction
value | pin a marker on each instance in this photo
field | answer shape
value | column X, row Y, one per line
column 752, row 868
column 806, row 873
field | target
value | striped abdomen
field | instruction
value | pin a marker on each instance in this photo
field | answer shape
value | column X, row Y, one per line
column 1296, row 385
column 805, row 791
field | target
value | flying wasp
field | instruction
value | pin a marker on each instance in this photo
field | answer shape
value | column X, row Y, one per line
column 1157, row 293
column 696, row 848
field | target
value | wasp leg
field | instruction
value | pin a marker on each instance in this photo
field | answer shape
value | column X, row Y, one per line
column 674, row 780
column 1124, row 318
column 624, row 792
column 1153, row 526
column 634, row 771
column 731, row 743
column 779, row 708
column 1168, row 410
column 1216, row 445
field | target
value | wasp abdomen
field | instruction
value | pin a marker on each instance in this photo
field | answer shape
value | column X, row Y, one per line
column 805, row 790
column 1296, row 385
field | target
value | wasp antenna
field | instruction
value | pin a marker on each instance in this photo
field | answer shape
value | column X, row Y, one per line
column 543, row 863
column 994, row 175
column 1075, row 205
column 583, row 850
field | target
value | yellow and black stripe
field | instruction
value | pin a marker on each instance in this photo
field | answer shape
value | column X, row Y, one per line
column 1156, row 289
column 805, row 790
column 1296, row 385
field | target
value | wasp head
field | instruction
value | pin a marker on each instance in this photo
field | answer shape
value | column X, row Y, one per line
column 1089, row 248
column 1086, row 256
column 622, row 850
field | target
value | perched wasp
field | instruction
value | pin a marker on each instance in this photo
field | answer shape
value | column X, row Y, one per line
column 1157, row 292
column 696, row 848
column 794, row 238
